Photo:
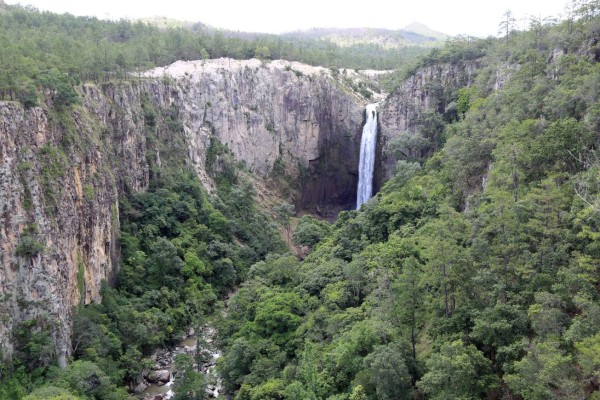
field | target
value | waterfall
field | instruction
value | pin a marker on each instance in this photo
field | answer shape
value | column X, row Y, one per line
column 366, row 166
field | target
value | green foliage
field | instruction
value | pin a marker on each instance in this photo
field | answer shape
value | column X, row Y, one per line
column 149, row 114
column 35, row 348
column 463, row 104
column 457, row 371
column 26, row 93
column 472, row 274
column 388, row 372
column 283, row 214
column 474, row 271
column 409, row 147
column 262, row 53
column 55, row 53
column 358, row 393
column 29, row 246
column 89, row 381
column 588, row 354
column 80, row 278
column 60, row 87
column 273, row 389
column 180, row 253
column 309, row 231
column 53, row 161
column 189, row 384
column 14, row 383
column 220, row 164
column 546, row 372
column 50, row 393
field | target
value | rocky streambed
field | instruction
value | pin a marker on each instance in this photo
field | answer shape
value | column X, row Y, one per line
column 157, row 383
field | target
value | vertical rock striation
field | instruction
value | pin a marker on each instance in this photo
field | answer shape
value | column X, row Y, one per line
column 428, row 89
column 59, row 209
column 304, row 119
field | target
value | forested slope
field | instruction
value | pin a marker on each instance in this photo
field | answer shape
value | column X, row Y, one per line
column 475, row 272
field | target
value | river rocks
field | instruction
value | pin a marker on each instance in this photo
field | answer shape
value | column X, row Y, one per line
column 189, row 349
column 162, row 359
column 212, row 391
column 140, row 387
column 161, row 376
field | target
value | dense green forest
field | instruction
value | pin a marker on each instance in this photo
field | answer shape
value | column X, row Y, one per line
column 47, row 50
column 474, row 273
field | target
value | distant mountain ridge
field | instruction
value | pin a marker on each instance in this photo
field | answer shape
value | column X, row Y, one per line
column 415, row 34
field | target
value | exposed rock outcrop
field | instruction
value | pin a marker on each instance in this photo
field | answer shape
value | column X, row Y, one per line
column 162, row 375
column 59, row 226
column 61, row 172
column 428, row 89
column 306, row 119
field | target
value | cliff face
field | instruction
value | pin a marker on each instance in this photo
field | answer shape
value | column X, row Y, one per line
column 428, row 89
column 61, row 172
column 304, row 119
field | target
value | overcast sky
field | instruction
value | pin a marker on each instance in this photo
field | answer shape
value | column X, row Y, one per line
column 473, row 17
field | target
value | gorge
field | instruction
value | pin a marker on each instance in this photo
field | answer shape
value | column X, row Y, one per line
column 285, row 121
column 306, row 232
column 298, row 121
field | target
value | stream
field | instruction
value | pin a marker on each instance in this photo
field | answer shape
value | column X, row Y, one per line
column 158, row 382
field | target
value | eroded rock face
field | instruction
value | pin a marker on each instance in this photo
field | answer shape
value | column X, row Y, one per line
column 61, row 172
column 303, row 118
column 59, row 211
column 428, row 89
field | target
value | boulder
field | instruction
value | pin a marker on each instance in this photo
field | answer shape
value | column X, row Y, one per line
column 140, row 387
column 162, row 375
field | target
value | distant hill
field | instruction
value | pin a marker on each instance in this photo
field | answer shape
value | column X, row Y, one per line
column 415, row 34
column 164, row 23
column 354, row 48
column 412, row 35
column 423, row 30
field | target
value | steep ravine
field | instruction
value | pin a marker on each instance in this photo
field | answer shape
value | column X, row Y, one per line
column 62, row 171
column 157, row 383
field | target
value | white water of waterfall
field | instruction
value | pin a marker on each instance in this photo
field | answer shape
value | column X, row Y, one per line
column 366, row 166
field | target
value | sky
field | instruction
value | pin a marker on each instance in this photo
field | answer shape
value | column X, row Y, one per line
column 453, row 17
